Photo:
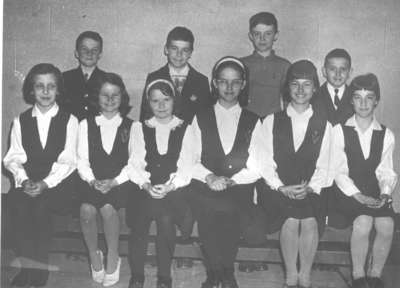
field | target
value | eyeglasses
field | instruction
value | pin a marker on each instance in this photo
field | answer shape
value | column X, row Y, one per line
column 235, row 84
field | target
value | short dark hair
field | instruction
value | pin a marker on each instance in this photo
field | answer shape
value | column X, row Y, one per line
column 337, row 53
column 265, row 18
column 368, row 82
column 116, row 80
column 41, row 69
column 302, row 69
column 91, row 35
column 182, row 34
column 238, row 65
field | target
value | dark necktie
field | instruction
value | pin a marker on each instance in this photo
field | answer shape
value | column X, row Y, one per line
column 86, row 76
column 337, row 100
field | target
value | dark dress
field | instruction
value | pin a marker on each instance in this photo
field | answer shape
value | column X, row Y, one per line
column 172, row 210
column 107, row 166
column 362, row 172
column 293, row 167
column 223, row 216
column 32, row 216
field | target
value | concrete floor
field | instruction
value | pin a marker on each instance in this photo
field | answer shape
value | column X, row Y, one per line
column 72, row 271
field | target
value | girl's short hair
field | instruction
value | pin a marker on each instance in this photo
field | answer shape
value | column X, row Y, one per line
column 165, row 86
column 236, row 64
column 116, row 80
column 302, row 69
column 41, row 69
column 367, row 81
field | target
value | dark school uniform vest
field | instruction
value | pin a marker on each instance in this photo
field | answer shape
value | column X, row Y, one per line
column 161, row 166
column 39, row 159
column 213, row 156
column 107, row 166
column 293, row 167
column 362, row 171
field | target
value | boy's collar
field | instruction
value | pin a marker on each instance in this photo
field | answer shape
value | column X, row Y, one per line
column 271, row 54
column 331, row 89
column 87, row 70
column 174, row 71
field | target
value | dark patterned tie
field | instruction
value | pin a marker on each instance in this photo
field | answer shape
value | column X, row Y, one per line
column 86, row 76
column 337, row 100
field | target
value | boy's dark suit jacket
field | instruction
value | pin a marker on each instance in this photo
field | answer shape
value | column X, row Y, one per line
column 195, row 95
column 79, row 94
column 322, row 103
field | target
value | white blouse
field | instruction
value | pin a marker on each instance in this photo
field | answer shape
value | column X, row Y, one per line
column 385, row 174
column 108, row 131
column 227, row 123
column 137, row 150
column 320, row 177
column 66, row 161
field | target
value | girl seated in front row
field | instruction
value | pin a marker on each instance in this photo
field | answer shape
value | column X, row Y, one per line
column 42, row 157
column 154, row 150
column 102, row 159
column 295, row 166
column 362, row 160
column 222, row 145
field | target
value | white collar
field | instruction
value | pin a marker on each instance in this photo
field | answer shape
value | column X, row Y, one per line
column 153, row 123
column 183, row 72
column 51, row 113
column 353, row 123
column 235, row 109
column 103, row 121
column 86, row 70
column 292, row 113
column 331, row 90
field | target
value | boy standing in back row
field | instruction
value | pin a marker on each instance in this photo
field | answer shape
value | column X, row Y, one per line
column 267, row 71
column 192, row 88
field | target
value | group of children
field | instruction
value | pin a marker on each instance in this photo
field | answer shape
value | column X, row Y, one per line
column 197, row 154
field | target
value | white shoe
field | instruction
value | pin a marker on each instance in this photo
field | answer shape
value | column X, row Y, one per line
column 98, row 276
column 111, row 279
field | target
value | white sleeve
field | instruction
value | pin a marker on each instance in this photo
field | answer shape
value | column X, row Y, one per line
column 265, row 157
column 16, row 155
column 320, row 177
column 84, row 169
column 385, row 174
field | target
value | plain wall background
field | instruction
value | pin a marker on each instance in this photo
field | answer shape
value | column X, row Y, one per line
column 134, row 33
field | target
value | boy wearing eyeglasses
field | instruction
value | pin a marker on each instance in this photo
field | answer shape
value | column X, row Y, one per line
column 267, row 71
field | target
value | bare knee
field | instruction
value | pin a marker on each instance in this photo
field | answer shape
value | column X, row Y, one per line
column 87, row 212
column 362, row 225
column 108, row 212
column 384, row 226
column 309, row 225
column 291, row 225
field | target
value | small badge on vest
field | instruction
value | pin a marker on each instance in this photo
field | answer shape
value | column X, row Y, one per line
column 315, row 136
column 193, row 98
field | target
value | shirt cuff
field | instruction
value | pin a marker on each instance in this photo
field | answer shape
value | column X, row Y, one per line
column 315, row 188
column 50, row 182
column 274, row 184
column 121, row 178
column 20, row 177
column 386, row 190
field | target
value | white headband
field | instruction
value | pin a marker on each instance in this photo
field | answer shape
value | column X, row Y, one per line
column 232, row 59
column 159, row 81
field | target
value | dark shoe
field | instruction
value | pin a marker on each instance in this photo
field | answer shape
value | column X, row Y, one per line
column 375, row 282
column 21, row 279
column 360, row 283
column 164, row 282
column 134, row 283
column 38, row 277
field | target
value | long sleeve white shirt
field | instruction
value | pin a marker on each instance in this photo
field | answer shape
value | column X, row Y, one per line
column 137, row 150
column 385, row 174
column 227, row 124
column 320, row 177
column 108, row 132
column 66, row 161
